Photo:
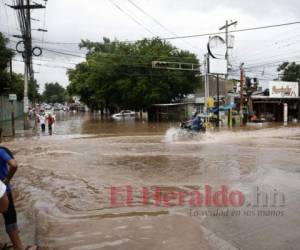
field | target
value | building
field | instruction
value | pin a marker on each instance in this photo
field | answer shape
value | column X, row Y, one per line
column 224, row 87
column 193, row 102
column 172, row 112
column 271, row 107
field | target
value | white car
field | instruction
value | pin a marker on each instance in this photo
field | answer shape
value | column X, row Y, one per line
column 124, row 114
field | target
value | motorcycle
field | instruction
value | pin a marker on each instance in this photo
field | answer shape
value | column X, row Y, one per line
column 187, row 126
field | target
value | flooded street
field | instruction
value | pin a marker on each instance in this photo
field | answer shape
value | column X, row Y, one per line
column 64, row 188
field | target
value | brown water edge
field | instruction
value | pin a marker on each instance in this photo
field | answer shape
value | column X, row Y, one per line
column 63, row 186
column 70, row 124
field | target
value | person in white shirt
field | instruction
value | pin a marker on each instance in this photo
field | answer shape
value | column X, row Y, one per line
column 42, row 120
column 3, row 198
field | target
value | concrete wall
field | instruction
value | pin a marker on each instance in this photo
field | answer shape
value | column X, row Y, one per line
column 223, row 87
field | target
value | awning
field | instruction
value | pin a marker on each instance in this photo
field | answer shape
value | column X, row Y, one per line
column 223, row 108
column 228, row 106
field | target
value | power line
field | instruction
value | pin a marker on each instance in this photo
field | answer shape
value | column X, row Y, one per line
column 151, row 17
column 262, row 57
column 193, row 36
column 44, row 65
column 277, row 40
column 144, row 65
column 50, row 60
column 150, row 57
column 57, row 43
column 269, row 63
column 131, row 17
column 148, row 66
column 256, row 28
column 82, row 55
column 233, row 31
column 64, row 53
column 283, row 56
column 157, row 21
column 44, row 27
column 61, row 50
column 287, row 44
column 68, row 54
column 104, row 54
column 6, row 15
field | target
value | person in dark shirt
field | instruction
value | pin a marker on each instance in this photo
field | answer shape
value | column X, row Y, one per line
column 8, row 168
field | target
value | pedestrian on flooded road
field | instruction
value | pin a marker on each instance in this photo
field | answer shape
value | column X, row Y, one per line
column 42, row 120
column 50, row 120
column 8, row 168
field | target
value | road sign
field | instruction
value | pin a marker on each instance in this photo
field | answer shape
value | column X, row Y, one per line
column 217, row 66
column 12, row 97
column 175, row 66
column 216, row 47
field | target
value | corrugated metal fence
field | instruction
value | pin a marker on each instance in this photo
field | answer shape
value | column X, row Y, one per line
column 6, row 108
column 5, row 113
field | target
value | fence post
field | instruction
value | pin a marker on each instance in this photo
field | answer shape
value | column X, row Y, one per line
column 12, row 118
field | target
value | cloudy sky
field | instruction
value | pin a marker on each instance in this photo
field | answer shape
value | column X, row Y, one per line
column 68, row 21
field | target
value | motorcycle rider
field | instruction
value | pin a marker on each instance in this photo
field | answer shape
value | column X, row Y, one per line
column 195, row 123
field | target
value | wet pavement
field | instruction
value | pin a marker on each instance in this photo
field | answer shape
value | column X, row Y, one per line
column 64, row 186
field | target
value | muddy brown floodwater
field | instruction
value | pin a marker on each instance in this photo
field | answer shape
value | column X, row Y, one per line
column 63, row 188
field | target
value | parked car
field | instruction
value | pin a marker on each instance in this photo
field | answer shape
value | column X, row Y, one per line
column 124, row 114
column 58, row 107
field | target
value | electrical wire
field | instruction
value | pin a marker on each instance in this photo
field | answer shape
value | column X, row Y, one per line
column 44, row 27
column 195, row 36
column 284, row 49
column 234, row 31
column 6, row 15
column 22, row 26
column 131, row 17
column 158, row 22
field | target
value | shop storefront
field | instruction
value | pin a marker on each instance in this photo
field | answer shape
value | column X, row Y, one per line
column 272, row 108
column 283, row 101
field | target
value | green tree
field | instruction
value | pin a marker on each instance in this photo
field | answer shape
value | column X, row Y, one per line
column 5, row 55
column 17, row 87
column 54, row 92
column 13, row 83
column 290, row 71
column 120, row 75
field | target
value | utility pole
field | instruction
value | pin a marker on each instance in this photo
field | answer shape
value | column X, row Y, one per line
column 218, row 101
column 206, row 58
column 10, row 70
column 242, row 93
column 226, row 27
column 25, row 27
column 28, row 54
column 205, row 83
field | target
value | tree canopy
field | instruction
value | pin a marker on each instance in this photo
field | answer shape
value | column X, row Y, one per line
column 54, row 93
column 14, row 83
column 17, row 87
column 290, row 71
column 5, row 55
column 120, row 75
